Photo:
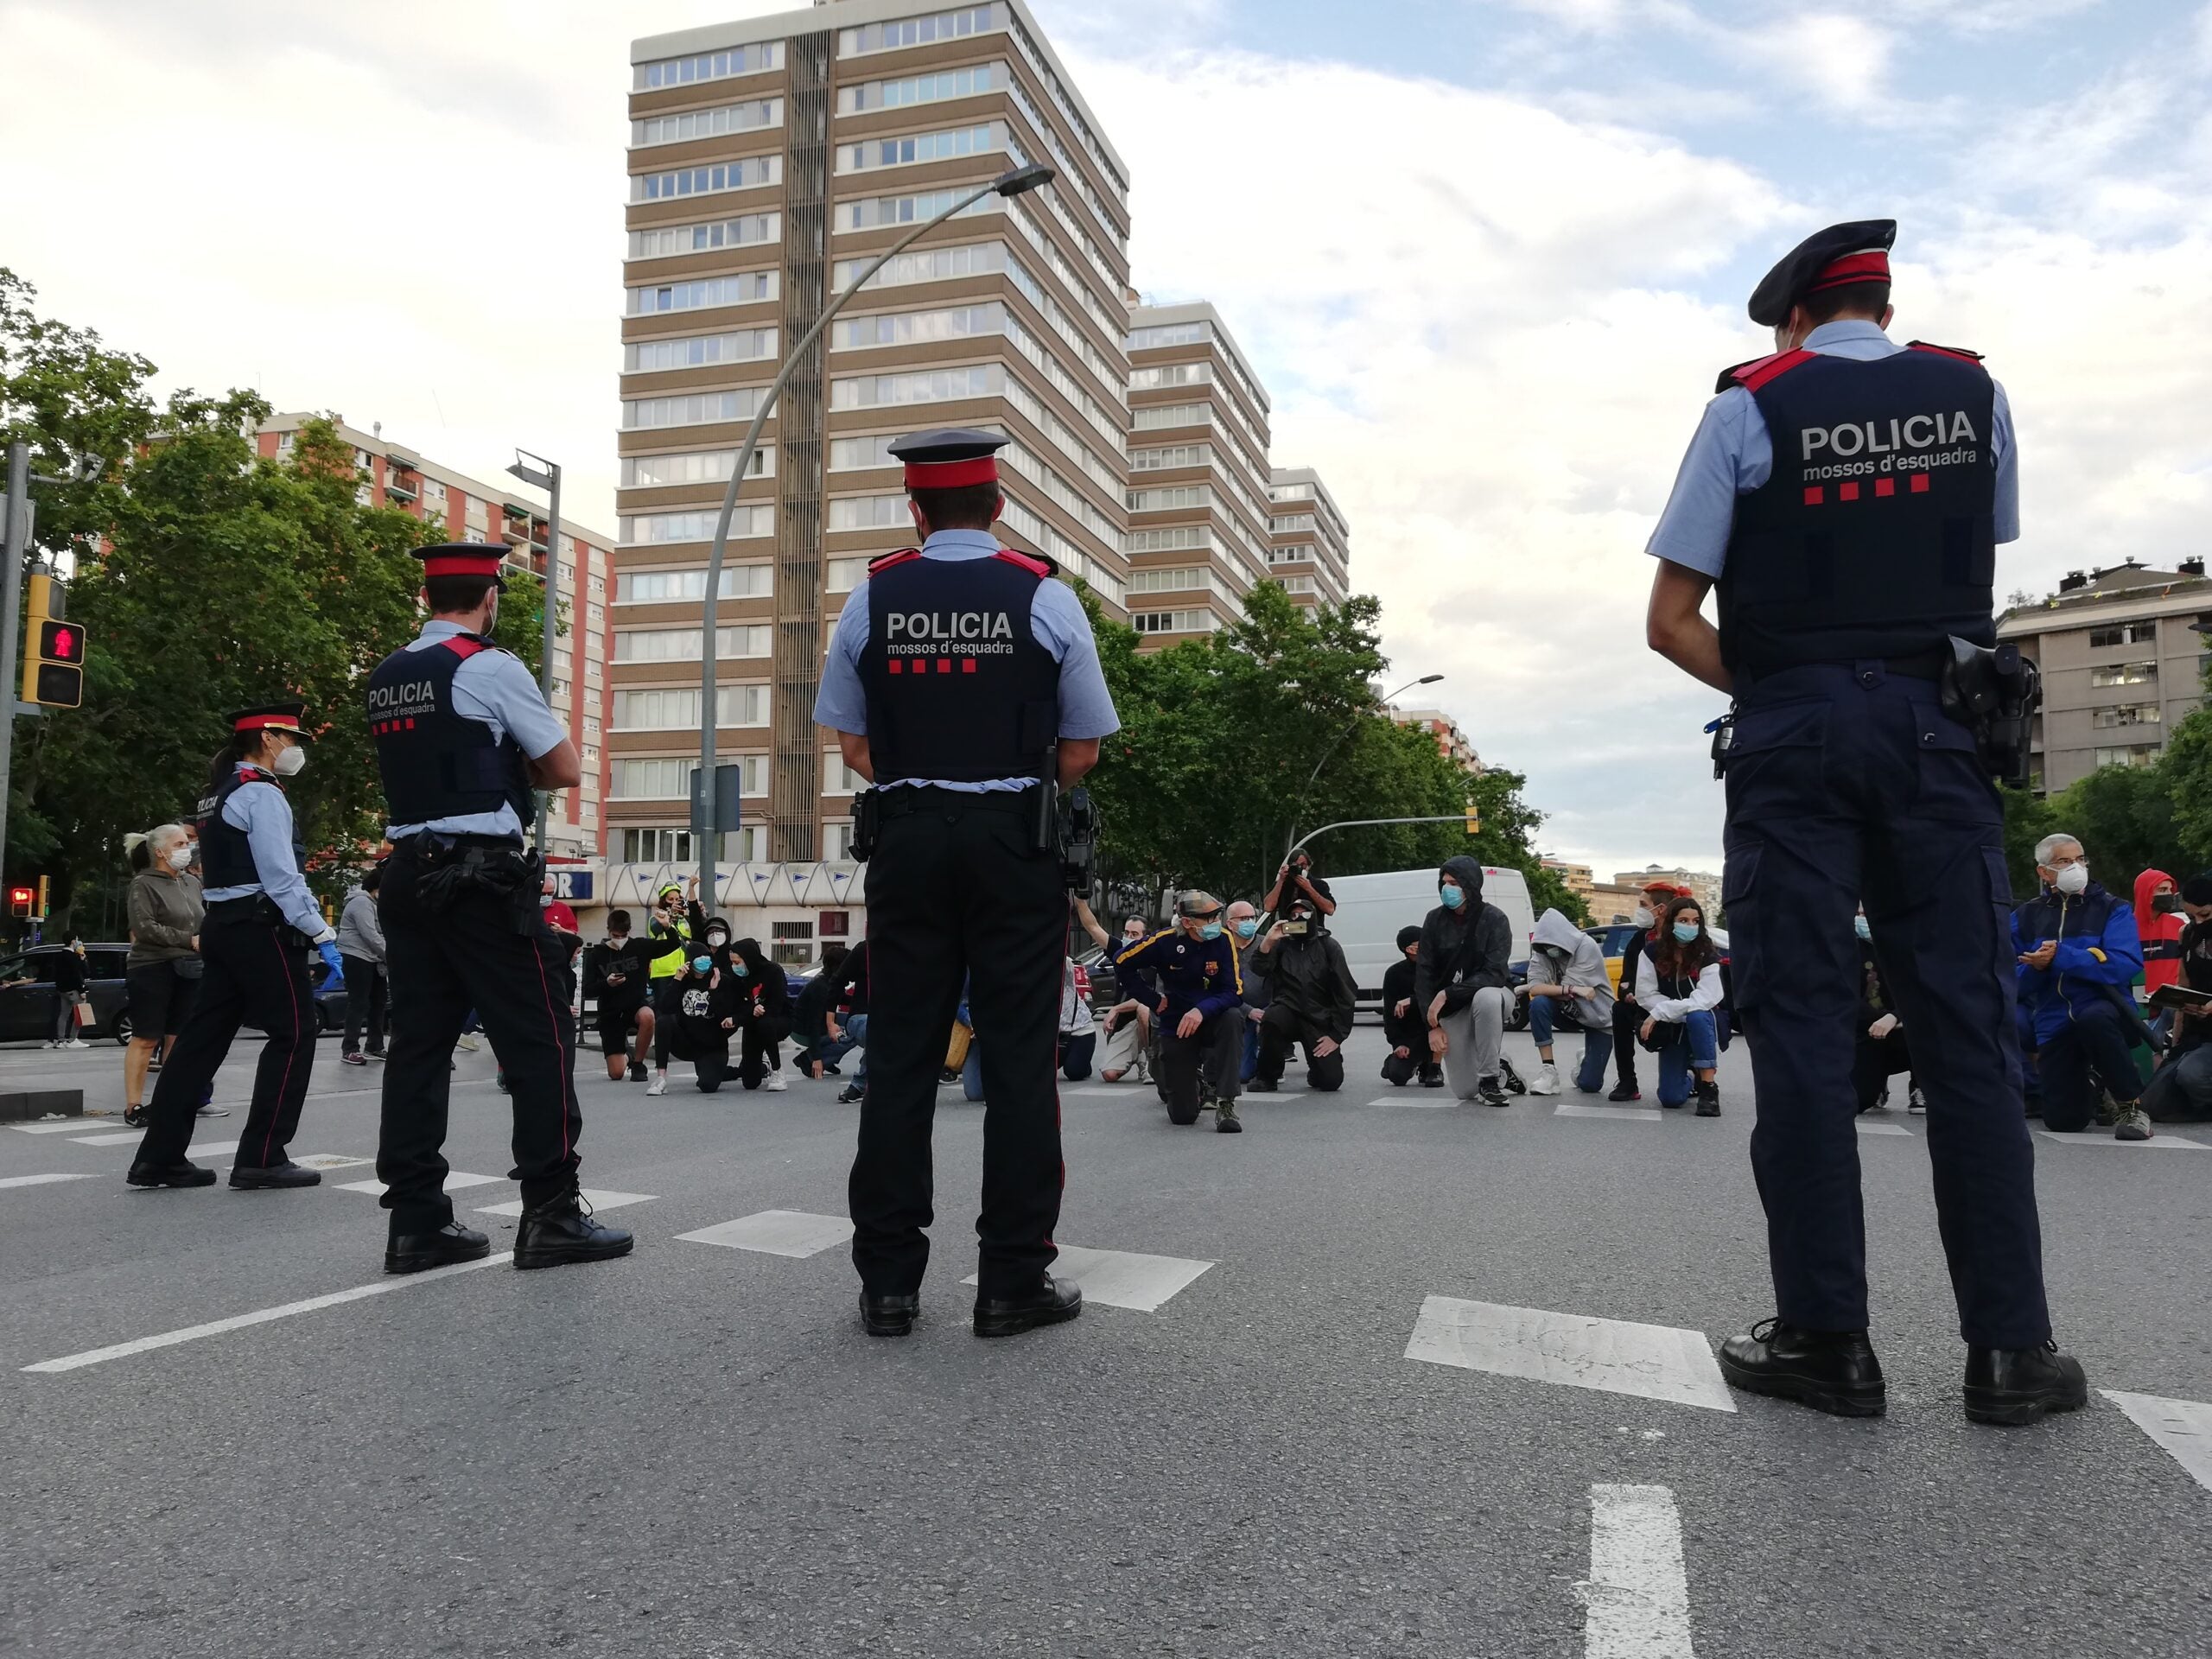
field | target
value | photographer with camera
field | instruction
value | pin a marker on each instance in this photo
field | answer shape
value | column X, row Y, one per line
column 1311, row 999
column 1296, row 880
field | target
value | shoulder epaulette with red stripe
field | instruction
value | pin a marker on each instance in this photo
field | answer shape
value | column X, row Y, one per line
column 1958, row 351
column 887, row 560
column 1756, row 373
column 1036, row 563
column 465, row 645
column 259, row 775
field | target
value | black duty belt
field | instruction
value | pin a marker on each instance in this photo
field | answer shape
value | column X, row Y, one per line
column 445, row 838
column 904, row 800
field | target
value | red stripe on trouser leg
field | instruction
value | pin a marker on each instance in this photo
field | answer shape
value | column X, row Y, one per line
column 560, row 1052
column 1815, row 495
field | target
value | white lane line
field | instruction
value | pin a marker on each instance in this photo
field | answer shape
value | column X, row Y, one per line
column 2159, row 1141
column 1123, row 1278
column 455, row 1179
column 63, row 1125
column 1633, row 1114
column 593, row 1196
column 1428, row 1098
column 127, row 1134
column 1129, row 1089
column 1636, row 1599
column 43, row 1180
column 2182, row 1426
column 316, row 1159
column 1865, row 1128
column 262, row 1316
column 777, row 1232
column 1653, row 1361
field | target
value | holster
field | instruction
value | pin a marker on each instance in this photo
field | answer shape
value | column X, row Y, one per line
column 1994, row 694
column 867, row 821
column 1078, row 840
column 454, row 867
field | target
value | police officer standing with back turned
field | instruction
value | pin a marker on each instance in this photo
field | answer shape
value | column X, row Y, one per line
column 1848, row 494
column 260, row 924
column 462, row 734
column 959, row 673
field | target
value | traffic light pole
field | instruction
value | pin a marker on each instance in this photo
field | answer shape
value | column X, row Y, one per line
column 17, row 535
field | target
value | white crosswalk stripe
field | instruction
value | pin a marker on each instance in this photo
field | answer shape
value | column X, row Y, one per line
column 43, row 1180
column 123, row 1139
column 1430, row 1098
column 1633, row 1114
column 1653, row 1362
column 1636, row 1599
column 596, row 1197
column 2183, row 1428
column 1879, row 1127
column 775, row 1232
column 1125, row 1278
column 58, row 1125
column 2161, row 1141
column 455, row 1179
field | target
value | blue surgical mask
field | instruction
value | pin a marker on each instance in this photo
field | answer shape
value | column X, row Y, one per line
column 738, row 966
column 703, row 964
column 1451, row 895
column 1686, row 932
column 1210, row 930
column 1859, row 927
column 1247, row 928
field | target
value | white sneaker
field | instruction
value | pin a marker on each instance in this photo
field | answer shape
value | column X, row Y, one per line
column 658, row 1086
column 76, row 1042
column 774, row 1083
column 1546, row 1081
column 468, row 1041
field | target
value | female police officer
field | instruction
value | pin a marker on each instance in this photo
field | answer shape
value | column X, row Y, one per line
column 260, row 923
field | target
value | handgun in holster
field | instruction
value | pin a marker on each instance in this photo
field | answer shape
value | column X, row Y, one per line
column 1994, row 693
column 1078, row 840
column 868, row 820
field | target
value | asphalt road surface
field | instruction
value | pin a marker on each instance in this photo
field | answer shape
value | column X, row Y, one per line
column 1385, row 1375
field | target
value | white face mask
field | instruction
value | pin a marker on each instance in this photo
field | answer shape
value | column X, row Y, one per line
column 181, row 855
column 1644, row 918
column 289, row 764
column 2073, row 879
column 545, row 901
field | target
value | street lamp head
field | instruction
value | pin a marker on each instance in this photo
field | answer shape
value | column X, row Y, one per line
column 1026, row 177
column 1429, row 679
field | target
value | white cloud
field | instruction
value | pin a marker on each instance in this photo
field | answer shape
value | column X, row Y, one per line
column 1842, row 58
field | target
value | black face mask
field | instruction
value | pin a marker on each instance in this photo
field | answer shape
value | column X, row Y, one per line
column 2166, row 904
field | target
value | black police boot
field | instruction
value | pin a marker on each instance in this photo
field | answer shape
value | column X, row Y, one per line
column 2017, row 1385
column 1053, row 1300
column 889, row 1316
column 183, row 1172
column 1834, row 1371
column 419, row 1252
column 563, row 1229
column 1708, row 1099
column 286, row 1174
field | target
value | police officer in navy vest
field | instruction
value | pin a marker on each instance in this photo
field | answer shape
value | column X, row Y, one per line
column 261, row 924
column 462, row 734
column 1847, row 494
column 958, row 672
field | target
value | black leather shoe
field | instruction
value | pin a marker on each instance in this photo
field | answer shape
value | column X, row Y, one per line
column 1049, row 1304
column 419, row 1252
column 2017, row 1385
column 562, row 1230
column 889, row 1316
column 1260, row 1085
column 1709, row 1100
column 286, row 1174
column 183, row 1172
column 1834, row 1371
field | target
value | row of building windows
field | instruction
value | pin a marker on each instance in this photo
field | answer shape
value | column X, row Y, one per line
column 1167, row 497
column 716, row 179
column 651, row 528
column 747, row 230
column 694, row 467
column 954, row 25
column 1174, row 622
column 682, row 645
column 1191, row 579
column 749, row 116
column 869, row 213
column 708, row 66
column 661, row 587
column 690, row 409
column 669, row 779
column 698, row 351
column 2131, row 713
column 941, row 146
column 2125, row 674
column 1172, row 455
column 968, row 81
column 2125, row 633
column 676, row 708
column 651, row 844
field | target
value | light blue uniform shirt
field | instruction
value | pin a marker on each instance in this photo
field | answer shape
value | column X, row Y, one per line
column 1732, row 454
column 262, row 812
column 1055, row 617
column 492, row 687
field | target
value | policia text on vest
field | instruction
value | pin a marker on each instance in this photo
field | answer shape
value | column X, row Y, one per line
column 962, row 682
column 1855, row 576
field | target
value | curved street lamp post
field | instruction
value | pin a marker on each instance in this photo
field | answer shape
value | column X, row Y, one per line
column 1329, row 753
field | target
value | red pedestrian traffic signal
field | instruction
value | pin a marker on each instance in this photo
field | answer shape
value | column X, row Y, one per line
column 54, row 657
column 61, row 642
column 20, row 899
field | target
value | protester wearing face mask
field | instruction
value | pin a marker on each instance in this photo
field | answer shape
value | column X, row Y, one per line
column 764, row 1011
column 162, row 972
column 1312, row 999
column 2181, row 1090
column 1403, row 1026
column 708, row 1001
column 1678, row 986
column 1568, row 986
column 1628, row 1019
column 260, row 924
column 1882, row 1049
column 1259, row 991
column 1462, row 983
column 2079, row 954
column 616, row 976
column 2158, row 924
column 1194, row 972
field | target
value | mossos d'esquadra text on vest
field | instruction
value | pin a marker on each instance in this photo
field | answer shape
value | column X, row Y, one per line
column 1900, row 444
column 958, row 633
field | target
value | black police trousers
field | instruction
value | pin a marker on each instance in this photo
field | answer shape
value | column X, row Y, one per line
column 1280, row 1028
column 256, row 974
column 1847, row 782
column 955, row 892
column 496, row 955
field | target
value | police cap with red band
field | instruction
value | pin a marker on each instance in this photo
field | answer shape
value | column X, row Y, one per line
column 285, row 717
column 464, row 559
column 1835, row 257
column 952, row 459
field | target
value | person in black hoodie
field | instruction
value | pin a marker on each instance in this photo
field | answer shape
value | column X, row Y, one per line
column 616, row 976
column 764, row 999
column 706, row 999
column 1403, row 1026
column 1461, row 981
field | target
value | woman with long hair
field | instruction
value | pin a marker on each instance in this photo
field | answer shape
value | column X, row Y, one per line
column 162, row 972
column 1678, row 986
column 261, row 922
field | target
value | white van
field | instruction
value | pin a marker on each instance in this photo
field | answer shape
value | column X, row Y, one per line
column 1370, row 909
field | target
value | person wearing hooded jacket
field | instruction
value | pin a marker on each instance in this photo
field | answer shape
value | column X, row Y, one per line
column 2158, row 924
column 1462, row 980
column 1568, row 985
column 2079, row 954
column 764, row 999
column 1403, row 1026
column 1312, row 998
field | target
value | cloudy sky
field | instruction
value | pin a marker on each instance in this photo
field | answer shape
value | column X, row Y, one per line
column 1487, row 254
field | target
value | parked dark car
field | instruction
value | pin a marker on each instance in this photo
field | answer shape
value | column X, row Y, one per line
column 27, row 1010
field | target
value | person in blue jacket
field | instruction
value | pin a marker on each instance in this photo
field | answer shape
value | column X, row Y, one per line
column 1194, row 969
column 2079, row 952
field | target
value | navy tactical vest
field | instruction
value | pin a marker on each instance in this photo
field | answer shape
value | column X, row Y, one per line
column 959, row 687
column 1874, row 537
column 435, row 764
column 226, row 856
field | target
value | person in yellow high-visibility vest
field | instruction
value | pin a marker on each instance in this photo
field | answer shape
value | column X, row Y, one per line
column 676, row 921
